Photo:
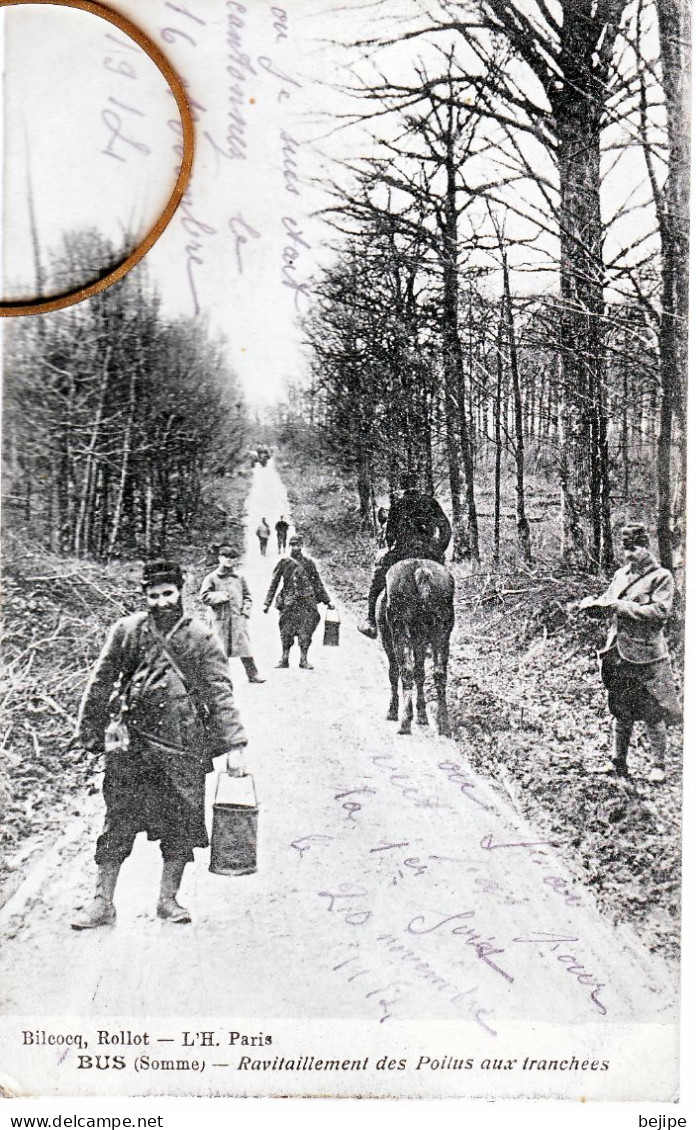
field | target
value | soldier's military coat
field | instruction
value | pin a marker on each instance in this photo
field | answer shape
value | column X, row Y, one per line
column 416, row 523
column 635, row 661
column 180, row 715
column 228, row 599
column 302, row 589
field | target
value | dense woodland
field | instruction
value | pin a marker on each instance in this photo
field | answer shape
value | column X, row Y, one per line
column 508, row 291
column 112, row 416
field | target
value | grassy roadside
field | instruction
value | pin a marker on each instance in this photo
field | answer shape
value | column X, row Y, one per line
column 56, row 613
column 528, row 708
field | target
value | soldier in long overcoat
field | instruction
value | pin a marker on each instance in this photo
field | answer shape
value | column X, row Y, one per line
column 635, row 662
column 301, row 590
column 228, row 598
column 163, row 673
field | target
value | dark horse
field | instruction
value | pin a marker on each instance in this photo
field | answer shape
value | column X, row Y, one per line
column 416, row 611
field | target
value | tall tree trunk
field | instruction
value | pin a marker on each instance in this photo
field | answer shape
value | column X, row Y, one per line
column 497, row 429
column 524, row 546
column 465, row 532
column 79, row 538
column 364, row 484
column 148, row 507
column 582, row 308
column 675, row 49
column 125, row 461
column 606, row 546
column 625, row 452
column 427, row 443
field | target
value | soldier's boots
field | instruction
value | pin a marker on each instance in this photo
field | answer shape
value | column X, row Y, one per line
column 622, row 741
column 284, row 660
column 251, row 669
column 167, row 906
column 657, row 737
column 369, row 628
column 618, row 762
column 172, row 911
column 102, row 911
column 304, row 662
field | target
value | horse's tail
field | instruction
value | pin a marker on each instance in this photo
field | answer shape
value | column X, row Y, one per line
column 423, row 578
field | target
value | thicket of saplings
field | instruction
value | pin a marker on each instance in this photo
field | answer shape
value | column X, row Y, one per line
column 113, row 414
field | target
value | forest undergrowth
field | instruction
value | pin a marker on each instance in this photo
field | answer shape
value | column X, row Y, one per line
column 527, row 705
column 56, row 613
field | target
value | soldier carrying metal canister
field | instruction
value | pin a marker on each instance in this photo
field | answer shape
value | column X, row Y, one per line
column 167, row 676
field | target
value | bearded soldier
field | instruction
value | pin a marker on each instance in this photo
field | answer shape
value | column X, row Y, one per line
column 635, row 663
column 165, row 676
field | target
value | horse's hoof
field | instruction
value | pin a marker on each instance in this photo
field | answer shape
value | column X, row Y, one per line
column 404, row 729
column 393, row 716
column 423, row 720
column 444, row 731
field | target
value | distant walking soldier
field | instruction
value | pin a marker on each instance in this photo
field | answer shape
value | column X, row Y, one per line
column 226, row 593
column 635, row 663
column 162, row 687
column 416, row 526
column 263, row 533
column 301, row 590
column 282, row 526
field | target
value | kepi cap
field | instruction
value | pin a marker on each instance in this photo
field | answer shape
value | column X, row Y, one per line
column 161, row 572
column 635, row 534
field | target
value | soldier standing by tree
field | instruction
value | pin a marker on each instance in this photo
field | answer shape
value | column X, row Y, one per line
column 635, row 662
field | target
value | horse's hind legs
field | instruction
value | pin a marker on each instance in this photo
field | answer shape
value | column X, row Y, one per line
column 419, row 675
column 393, row 712
column 407, row 715
column 440, row 658
column 442, row 716
column 407, row 689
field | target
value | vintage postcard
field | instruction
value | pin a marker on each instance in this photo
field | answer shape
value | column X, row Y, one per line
column 344, row 549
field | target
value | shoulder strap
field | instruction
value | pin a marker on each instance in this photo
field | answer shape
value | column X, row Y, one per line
column 125, row 675
column 629, row 586
column 306, row 573
column 290, row 566
column 198, row 704
column 162, row 640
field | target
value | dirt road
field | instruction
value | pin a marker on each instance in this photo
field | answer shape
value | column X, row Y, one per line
column 393, row 882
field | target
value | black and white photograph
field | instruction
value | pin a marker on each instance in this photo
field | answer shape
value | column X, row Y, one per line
column 344, row 549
